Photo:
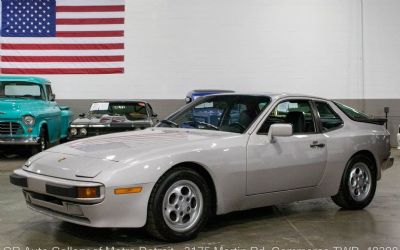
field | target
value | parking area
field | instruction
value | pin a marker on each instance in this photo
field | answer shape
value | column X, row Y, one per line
column 309, row 224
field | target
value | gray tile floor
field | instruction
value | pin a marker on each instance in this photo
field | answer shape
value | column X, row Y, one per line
column 314, row 224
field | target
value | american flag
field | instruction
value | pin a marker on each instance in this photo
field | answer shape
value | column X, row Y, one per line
column 62, row 37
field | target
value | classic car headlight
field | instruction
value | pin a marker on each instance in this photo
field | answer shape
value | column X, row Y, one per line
column 73, row 131
column 83, row 131
column 29, row 120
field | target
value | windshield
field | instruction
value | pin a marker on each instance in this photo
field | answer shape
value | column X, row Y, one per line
column 21, row 90
column 131, row 110
column 230, row 113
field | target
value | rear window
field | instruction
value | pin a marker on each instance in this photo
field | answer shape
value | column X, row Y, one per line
column 353, row 113
column 359, row 116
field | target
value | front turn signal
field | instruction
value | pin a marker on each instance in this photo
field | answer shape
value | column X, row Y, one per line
column 129, row 190
column 88, row 192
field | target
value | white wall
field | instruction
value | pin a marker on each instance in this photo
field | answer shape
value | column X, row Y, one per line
column 382, row 48
column 305, row 46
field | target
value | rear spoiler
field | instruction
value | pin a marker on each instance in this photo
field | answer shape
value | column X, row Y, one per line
column 377, row 121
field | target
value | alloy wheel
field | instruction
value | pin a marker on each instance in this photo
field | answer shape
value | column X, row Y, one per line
column 182, row 205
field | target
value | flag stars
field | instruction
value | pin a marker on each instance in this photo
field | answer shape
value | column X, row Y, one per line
column 31, row 18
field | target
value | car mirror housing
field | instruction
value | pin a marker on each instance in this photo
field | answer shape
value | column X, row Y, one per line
column 52, row 97
column 82, row 115
column 279, row 130
column 154, row 115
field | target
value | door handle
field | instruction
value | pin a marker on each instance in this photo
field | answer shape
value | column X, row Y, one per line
column 317, row 145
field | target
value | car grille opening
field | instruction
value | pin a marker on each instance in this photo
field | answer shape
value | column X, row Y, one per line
column 10, row 128
column 46, row 198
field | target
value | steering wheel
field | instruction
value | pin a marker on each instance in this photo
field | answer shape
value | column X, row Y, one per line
column 208, row 125
column 236, row 124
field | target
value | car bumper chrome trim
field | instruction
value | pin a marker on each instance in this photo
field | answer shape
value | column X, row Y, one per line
column 388, row 163
column 19, row 141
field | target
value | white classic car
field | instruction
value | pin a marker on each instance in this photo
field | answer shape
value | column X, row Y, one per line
column 219, row 154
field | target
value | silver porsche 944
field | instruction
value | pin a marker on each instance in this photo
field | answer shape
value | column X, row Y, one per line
column 218, row 154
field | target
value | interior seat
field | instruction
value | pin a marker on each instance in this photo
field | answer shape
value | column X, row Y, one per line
column 296, row 118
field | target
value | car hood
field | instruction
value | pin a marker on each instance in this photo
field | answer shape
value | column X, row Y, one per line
column 117, row 150
column 20, row 104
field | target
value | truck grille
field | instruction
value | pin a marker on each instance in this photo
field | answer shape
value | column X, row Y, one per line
column 10, row 128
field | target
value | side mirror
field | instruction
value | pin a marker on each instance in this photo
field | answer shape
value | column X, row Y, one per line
column 154, row 115
column 82, row 115
column 279, row 130
column 52, row 97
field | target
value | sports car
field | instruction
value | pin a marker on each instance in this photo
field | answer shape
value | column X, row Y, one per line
column 260, row 150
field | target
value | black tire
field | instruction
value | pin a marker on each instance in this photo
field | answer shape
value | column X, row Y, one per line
column 43, row 142
column 345, row 197
column 156, row 223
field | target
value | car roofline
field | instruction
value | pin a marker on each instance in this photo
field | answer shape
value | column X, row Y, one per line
column 273, row 95
column 32, row 79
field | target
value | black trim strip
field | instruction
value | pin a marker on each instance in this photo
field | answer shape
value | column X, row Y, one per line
column 19, row 180
column 62, row 190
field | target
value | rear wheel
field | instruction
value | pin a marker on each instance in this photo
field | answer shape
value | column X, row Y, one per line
column 358, row 184
column 179, row 206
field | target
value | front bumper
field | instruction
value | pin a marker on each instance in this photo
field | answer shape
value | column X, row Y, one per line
column 388, row 163
column 109, row 210
column 19, row 141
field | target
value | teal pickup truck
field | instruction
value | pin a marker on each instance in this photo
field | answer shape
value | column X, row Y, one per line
column 29, row 114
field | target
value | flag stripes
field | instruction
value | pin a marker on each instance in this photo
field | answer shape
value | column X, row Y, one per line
column 89, row 39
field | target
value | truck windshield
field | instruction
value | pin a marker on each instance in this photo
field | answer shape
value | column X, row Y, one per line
column 21, row 90
column 229, row 113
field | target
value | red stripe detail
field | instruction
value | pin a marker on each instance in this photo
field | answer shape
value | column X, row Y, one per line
column 62, row 71
column 71, row 21
column 117, row 33
column 62, row 58
column 105, row 8
column 105, row 46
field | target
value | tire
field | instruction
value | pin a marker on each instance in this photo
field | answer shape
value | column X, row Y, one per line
column 358, row 185
column 179, row 205
column 43, row 142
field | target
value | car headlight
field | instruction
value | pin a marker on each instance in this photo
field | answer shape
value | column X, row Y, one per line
column 73, row 131
column 29, row 120
column 83, row 131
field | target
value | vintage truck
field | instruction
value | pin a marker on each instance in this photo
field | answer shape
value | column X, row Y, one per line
column 29, row 114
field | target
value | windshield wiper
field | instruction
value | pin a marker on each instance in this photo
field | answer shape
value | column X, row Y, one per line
column 170, row 123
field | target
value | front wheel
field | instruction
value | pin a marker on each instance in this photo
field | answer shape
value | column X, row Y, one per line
column 43, row 142
column 358, row 184
column 179, row 206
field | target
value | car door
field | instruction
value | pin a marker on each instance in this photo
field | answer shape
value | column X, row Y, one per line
column 287, row 163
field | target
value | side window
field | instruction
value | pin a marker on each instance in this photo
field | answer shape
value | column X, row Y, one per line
column 329, row 119
column 49, row 92
column 296, row 112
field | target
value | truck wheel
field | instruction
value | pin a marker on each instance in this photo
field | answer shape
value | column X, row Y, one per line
column 358, row 185
column 43, row 142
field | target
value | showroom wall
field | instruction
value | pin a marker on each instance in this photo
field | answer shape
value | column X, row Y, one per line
column 307, row 46
column 342, row 49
